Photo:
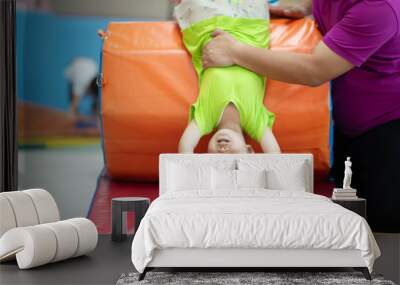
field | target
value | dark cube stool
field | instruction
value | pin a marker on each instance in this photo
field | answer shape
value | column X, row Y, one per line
column 358, row 205
column 120, row 206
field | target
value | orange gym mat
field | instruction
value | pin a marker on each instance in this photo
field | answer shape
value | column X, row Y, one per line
column 149, row 83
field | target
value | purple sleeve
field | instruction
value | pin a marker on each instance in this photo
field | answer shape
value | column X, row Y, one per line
column 365, row 28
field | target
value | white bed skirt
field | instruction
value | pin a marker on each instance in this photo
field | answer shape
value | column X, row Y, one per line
column 178, row 257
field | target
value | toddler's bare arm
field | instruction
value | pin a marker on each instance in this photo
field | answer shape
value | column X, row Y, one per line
column 268, row 142
column 190, row 138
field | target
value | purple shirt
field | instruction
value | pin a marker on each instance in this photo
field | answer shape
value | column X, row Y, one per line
column 367, row 34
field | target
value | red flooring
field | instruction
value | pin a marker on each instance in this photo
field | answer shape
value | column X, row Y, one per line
column 100, row 210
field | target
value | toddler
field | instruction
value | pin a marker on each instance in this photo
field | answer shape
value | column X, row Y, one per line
column 230, row 99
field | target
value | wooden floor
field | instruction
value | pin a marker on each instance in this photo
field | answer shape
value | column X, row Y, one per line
column 103, row 266
column 35, row 120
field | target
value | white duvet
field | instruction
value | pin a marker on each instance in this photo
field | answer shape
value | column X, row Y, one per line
column 252, row 218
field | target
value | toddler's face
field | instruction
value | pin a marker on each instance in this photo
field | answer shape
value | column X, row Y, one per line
column 228, row 141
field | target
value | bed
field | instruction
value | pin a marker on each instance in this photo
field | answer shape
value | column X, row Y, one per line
column 246, row 211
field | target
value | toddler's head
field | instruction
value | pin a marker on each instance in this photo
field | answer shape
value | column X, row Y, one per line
column 228, row 141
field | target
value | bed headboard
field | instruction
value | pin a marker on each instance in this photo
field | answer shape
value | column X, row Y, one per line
column 206, row 158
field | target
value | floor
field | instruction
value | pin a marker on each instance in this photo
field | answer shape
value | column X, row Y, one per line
column 389, row 262
column 72, row 173
column 38, row 123
column 103, row 266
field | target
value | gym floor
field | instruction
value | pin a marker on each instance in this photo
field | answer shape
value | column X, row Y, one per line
column 71, row 176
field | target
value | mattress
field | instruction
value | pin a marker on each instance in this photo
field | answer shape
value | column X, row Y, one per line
column 251, row 219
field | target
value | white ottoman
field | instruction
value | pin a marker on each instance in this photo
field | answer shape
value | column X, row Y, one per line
column 31, row 232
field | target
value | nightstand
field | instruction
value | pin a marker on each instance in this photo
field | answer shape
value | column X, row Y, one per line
column 120, row 206
column 358, row 205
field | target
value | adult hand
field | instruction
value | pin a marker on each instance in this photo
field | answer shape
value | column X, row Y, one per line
column 220, row 50
column 292, row 9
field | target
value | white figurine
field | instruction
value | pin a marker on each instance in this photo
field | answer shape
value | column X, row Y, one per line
column 347, row 174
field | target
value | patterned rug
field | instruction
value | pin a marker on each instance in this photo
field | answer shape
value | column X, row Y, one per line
column 244, row 278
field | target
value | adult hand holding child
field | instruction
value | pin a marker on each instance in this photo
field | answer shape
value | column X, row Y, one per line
column 219, row 52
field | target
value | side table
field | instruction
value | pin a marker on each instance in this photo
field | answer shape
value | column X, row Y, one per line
column 358, row 205
column 120, row 206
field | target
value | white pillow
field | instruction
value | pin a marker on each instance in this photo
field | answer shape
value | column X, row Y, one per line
column 206, row 160
column 181, row 177
column 290, row 179
column 281, row 174
column 223, row 179
column 251, row 178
